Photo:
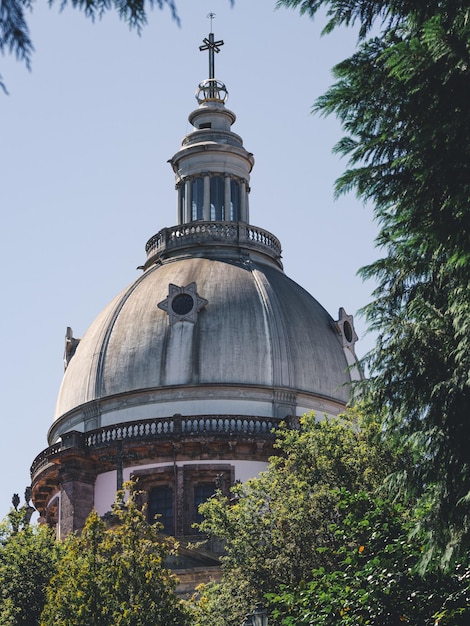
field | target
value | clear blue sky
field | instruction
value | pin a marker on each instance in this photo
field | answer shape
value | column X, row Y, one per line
column 84, row 179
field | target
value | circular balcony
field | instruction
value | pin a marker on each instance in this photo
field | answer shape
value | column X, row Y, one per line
column 173, row 428
column 212, row 234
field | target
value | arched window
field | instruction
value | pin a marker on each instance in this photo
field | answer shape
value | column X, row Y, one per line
column 197, row 199
column 234, row 200
column 217, row 198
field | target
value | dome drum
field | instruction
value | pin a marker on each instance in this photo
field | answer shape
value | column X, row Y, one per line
column 175, row 428
column 157, row 404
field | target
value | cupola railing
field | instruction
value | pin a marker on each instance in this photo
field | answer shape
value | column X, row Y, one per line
column 212, row 234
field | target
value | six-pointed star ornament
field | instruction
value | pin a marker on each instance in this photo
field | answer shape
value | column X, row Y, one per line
column 345, row 326
column 182, row 303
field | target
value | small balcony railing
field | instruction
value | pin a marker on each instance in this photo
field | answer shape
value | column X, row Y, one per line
column 210, row 233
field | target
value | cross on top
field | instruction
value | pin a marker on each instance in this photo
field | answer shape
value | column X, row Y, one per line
column 211, row 45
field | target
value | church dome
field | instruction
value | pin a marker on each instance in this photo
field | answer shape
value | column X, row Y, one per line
column 213, row 326
column 257, row 340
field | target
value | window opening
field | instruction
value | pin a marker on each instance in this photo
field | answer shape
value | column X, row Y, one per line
column 197, row 199
column 182, row 203
column 182, row 303
column 201, row 494
column 217, row 198
column 234, row 200
column 160, row 503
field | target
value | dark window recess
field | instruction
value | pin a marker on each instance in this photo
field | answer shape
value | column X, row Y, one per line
column 234, row 201
column 182, row 304
column 201, row 494
column 197, row 203
column 348, row 332
column 160, row 503
column 205, row 125
column 182, row 204
column 217, row 188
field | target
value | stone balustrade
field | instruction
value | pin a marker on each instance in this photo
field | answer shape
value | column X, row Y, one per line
column 209, row 233
column 45, row 457
column 166, row 428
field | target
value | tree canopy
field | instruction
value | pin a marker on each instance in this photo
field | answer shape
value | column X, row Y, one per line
column 316, row 538
column 403, row 104
column 106, row 576
column 274, row 524
column 28, row 559
column 114, row 577
column 374, row 579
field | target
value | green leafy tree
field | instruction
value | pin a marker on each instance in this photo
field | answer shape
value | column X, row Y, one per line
column 402, row 101
column 114, row 577
column 274, row 525
column 317, row 539
column 28, row 559
column 375, row 579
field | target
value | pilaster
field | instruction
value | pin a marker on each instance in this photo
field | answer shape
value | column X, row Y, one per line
column 76, row 496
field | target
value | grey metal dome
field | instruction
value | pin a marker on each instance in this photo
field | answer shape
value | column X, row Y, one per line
column 236, row 337
column 213, row 326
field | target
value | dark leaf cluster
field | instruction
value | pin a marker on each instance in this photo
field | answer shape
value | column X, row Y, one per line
column 317, row 539
column 402, row 99
column 281, row 525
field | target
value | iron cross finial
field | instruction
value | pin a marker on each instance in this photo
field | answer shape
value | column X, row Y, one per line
column 211, row 45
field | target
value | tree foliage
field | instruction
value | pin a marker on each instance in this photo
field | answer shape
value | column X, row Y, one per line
column 28, row 559
column 114, row 577
column 375, row 579
column 274, row 526
column 317, row 538
column 402, row 99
